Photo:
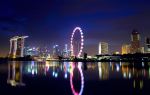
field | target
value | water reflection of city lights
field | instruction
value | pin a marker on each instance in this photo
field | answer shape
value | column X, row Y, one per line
column 66, row 68
column 15, row 74
column 56, row 75
column 32, row 68
column 47, row 66
column 100, row 70
column 103, row 69
column 138, row 84
column 53, row 73
column 66, row 76
column 129, row 75
column 142, row 64
column 149, row 72
column 71, row 79
column 117, row 67
column 124, row 75
column 120, row 63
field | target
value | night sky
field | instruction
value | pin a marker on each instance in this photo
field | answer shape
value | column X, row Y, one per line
column 49, row 22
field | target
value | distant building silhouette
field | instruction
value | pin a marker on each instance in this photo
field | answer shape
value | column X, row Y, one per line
column 147, row 45
column 142, row 50
column 103, row 48
column 126, row 48
column 135, row 42
column 17, row 46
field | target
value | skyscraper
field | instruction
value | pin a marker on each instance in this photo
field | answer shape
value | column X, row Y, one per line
column 103, row 48
column 66, row 52
column 135, row 42
column 147, row 45
column 13, row 47
column 126, row 48
column 56, row 51
column 17, row 46
column 142, row 50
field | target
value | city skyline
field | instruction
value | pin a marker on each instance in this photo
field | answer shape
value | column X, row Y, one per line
column 17, row 48
column 51, row 22
column 75, row 47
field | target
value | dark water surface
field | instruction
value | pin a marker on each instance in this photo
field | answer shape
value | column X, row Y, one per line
column 70, row 78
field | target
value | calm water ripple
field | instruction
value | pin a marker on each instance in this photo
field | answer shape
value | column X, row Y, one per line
column 74, row 78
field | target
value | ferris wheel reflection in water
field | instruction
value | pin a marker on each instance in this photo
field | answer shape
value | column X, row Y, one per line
column 78, row 66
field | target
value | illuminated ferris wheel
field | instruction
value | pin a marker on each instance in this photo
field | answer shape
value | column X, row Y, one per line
column 81, row 43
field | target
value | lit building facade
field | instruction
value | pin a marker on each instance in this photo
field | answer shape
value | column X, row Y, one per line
column 66, row 52
column 33, row 51
column 142, row 50
column 135, row 42
column 147, row 45
column 17, row 46
column 56, row 51
column 125, row 48
column 103, row 48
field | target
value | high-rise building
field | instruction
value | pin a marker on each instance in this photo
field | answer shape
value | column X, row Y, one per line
column 142, row 50
column 20, row 47
column 56, row 51
column 147, row 45
column 66, row 53
column 13, row 47
column 126, row 48
column 135, row 42
column 17, row 46
column 103, row 48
